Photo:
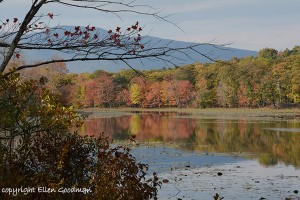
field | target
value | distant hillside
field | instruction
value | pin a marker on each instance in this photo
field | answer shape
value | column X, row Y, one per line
column 90, row 66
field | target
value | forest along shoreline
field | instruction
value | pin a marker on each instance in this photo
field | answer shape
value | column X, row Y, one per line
column 209, row 113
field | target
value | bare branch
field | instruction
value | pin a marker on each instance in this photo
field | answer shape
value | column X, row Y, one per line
column 29, row 16
column 88, row 43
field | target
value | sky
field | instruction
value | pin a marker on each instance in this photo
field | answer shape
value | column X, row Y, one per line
column 246, row 24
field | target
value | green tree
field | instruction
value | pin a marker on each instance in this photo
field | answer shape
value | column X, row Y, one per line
column 268, row 54
column 206, row 81
column 28, row 108
column 186, row 72
column 227, row 93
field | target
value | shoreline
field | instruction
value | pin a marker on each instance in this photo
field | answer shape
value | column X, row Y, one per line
column 210, row 113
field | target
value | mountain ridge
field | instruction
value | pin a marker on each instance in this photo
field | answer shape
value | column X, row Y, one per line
column 148, row 64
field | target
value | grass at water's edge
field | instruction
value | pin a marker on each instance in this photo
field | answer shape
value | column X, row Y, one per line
column 215, row 113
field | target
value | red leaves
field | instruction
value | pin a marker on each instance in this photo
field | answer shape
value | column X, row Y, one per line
column 18, row 55
column 88, row 28
column 116, row 38
column 67, row 33
column 50, row 15
column 122, row 39
column 6, row 22
column 77, row 28
column 123, row 98
column 129, row 38
column 137, row 39
column 72, row 36
column 134, row 27
column 55, row 35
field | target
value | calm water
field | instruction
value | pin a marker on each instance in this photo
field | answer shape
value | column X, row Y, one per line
column 257, row 159
column 270, row 142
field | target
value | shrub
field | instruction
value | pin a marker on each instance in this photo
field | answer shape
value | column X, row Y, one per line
column 37, row 150
column 68, row 160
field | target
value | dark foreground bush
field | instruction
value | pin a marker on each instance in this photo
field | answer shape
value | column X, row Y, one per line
column 65, row 162
column 40, row 159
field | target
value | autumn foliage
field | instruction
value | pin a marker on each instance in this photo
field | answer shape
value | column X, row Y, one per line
column 38, row 150
column 247, row 82
column 68, row 160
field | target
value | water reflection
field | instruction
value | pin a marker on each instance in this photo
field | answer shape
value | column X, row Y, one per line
column 271, row 141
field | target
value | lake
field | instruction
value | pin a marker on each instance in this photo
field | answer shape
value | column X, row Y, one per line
column 237, row 158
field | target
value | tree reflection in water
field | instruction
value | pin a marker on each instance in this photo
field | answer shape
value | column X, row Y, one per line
column 210, row 135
